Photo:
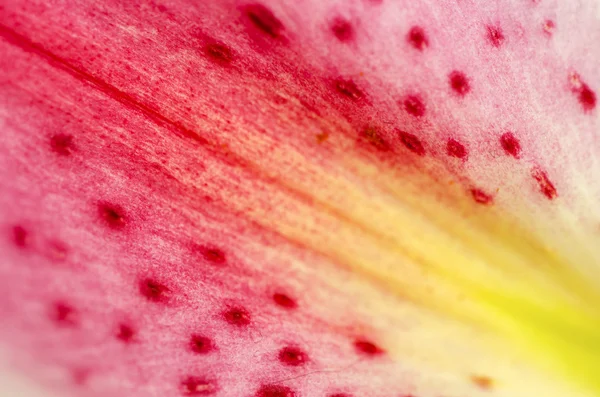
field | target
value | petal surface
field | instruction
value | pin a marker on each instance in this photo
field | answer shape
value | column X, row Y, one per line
column 301, row 198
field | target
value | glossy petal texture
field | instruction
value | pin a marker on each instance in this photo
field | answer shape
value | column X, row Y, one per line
column 300, row 198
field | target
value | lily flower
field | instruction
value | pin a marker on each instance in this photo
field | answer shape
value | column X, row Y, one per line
column 300, row 198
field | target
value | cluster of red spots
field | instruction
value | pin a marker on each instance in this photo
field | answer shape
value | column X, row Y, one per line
column 201, row 344
column 414, row 105
column 510, row 144
column 339, row 395
column 284, row 301
column 456, row 149
column 113, row 215
column 264, row 20
column 292, row 356
column 459, row 83
column 546, row 186
column 342, row 29
column 198, row 386
column 218, row 53
column 213, row 255
column 62, row 144
column 63, row 313
column 153, row 290
column 481, row 197
column 372, row 135
column 19, row 236
column 411, row 142
column 417, row 38
column 368, row 348
column 125, row 333
column 495, row 35
column 275, row 391
column 348, row 88
column 237, row 316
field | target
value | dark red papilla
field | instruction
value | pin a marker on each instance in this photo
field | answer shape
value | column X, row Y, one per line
column 510, row 144
column 20, row 236
column 292, row 356
column 456, row 149
column 348, row 88
column 198, row 386
column 218, row 52
column 63, row 313
column 414, row 105
column 284, row 301
column 342, row 29
column 546, row 186
column 275, row 391
column 201, row 344
column 373, row 136
column 62, row 144
column 237, row 316
column 587, row 98
column 212, row 254
column 495, row 35
column 417, row 38
column 125, row 333
column 411, row 142
column 459, row 83
column 264, row 20
column 481, row 197
column 367, row 347
column 153, row 290
column 113, row 215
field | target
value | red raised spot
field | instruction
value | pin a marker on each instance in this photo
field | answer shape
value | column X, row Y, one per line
column 481, row 197
column 218, row 53
column 113, row 215
column 417, row 38
column 372, row 135
column 411, row 142
column 237, row 316
column 367, row 347
column 459, row 83
column 197, row 386
column 56, row 250
column 456, row 149
column 213, row 254
column 264, row 20
column 125, row 333
column 284, row 301
column 495, row 35
column 63, row 314
column 484, row 382
column 292, row 356
column 62, row 144
column 510, row 144
column 414, row 105
column 342, row 29
column 546, row 186
column 339, row 395
column 153, row 290
column 587, row 98
column 201, row 344
column 549, row 27
column 20, row 236
column 348, row 88
column 275, row 391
